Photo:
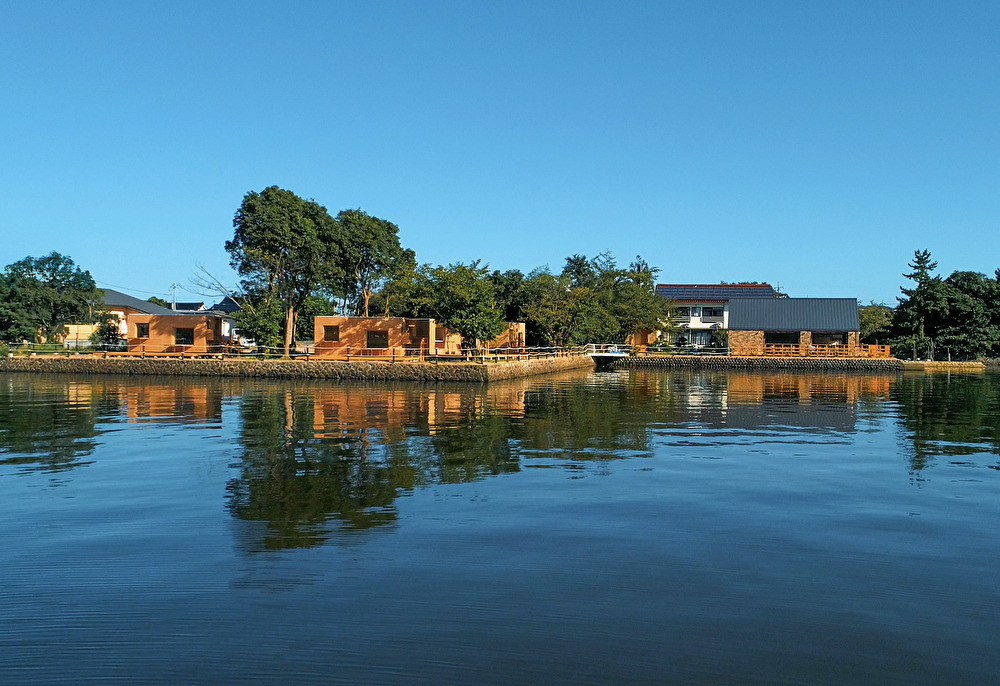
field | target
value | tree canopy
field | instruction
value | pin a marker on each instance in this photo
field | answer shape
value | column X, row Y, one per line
column 959, row 315
column 39, row 295
column 284, row 248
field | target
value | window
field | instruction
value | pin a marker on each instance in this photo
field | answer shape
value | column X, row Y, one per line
column 683, row 311
column 331, row 333
column 711, row 312
column 183, row 336
column 781, row 337
column 142, row 330
column 378, row 339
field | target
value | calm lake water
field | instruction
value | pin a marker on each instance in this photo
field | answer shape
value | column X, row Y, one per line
column 588, row 528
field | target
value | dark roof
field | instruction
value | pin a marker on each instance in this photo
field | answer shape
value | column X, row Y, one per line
column 113, row 298
column 713, row 292
column 793, row 314
column 227, row 305
column 189, row 307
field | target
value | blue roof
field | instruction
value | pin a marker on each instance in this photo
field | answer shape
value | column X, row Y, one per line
column 794, row 314
column 713, row 292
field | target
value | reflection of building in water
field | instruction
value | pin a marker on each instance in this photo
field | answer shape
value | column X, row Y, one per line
column 179, row 403
column 347, row 409
column 810, row 400
column 805, row 387
column 749, row 400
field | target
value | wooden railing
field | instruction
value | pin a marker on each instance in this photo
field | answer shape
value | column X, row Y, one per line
column 797, row 350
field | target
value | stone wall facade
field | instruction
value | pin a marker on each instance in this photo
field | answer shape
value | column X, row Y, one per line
column 747, row 342
column 298, row 369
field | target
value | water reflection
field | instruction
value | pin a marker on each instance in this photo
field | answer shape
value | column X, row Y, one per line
column 49, row 424
column 951, row 416
column 316, row 460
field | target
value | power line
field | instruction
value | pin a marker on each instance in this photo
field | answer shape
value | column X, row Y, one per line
column 127, row 288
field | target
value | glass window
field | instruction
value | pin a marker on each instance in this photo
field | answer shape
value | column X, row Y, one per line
column 696, row 311
column 183, row 336
column 683, row 311
column 331, row 333
column 711, row 312
column 142, row 330
column 378, row 339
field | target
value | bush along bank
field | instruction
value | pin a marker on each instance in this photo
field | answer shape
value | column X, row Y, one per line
column 882, row 365
column 297, row 369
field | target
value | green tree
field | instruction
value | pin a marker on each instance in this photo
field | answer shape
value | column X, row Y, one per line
column 463, row 298
column 876, row 322
column 921, row 312
column 38, row 296
column 259, row 318
column 286, row 247
column 371, row 256
column 158, row 301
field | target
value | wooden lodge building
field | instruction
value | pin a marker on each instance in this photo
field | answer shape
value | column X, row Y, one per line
column 399, row 336
column 177, row 332
column 826, row 327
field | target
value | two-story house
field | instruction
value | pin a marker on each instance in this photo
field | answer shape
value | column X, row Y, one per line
column 701, row 309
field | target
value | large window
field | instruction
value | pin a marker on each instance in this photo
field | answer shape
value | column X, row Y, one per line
column 378, row 339
column 183, row 336
column 331, row 333
column 781, row 337
column 711, row 312
column 829, row 339
column 142, row 330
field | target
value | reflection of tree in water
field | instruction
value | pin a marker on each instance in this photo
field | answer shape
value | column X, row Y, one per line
column 317, row 460
column 949, row 415
column 48, row 423
column 295, row 480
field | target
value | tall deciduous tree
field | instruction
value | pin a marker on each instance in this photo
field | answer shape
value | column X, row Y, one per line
column 372, row 255
column 38, row 295
column 463, row 298
column 286, row 247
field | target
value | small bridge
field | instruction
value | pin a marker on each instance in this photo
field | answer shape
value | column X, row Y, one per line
column 604, row 355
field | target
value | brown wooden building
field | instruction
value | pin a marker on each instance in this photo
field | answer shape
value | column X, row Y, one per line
column 398, row 336
column 194, row 333
column 798, row 326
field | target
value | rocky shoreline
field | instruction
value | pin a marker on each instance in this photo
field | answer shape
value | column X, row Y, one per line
column 297, row 369
column 832, row 364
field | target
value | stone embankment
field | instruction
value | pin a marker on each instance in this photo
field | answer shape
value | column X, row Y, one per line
column 831, row 364
column 297, row 369
column 944, row 366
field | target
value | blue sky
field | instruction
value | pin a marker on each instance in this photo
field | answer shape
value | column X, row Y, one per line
column 811, row 145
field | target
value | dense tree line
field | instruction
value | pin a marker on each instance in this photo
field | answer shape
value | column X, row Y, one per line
column 296, row 261
column 39, row 295
column 957, row 317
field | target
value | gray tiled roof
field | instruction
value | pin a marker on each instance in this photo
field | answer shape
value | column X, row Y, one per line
column 713, row 292
column 113, row 298
column 793, row 314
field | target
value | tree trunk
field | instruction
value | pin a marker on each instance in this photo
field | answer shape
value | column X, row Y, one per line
column 366, row 296
column 289, row 329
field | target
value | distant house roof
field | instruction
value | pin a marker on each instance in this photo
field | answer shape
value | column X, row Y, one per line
column 713, row 292
column 793, row 314
column 227, row 305
column 113, row 298
column 189, row 307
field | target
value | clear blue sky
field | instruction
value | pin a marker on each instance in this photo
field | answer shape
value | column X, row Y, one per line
column 811, row 145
